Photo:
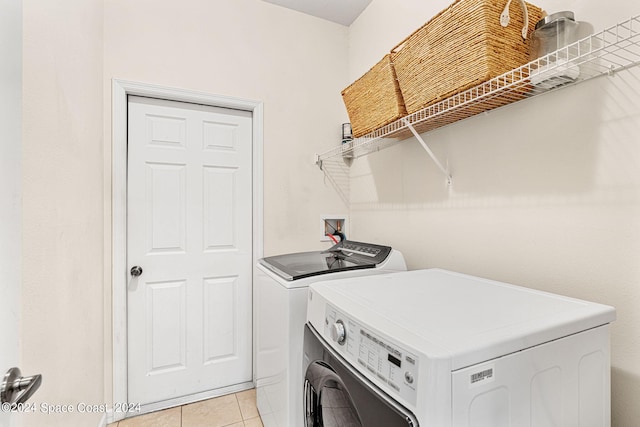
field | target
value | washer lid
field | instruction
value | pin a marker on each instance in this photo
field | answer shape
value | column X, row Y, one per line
column 306, row 264
column 344, row 256
column 466, row 319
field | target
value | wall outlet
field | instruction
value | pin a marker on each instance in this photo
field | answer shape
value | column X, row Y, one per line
column 330, row 223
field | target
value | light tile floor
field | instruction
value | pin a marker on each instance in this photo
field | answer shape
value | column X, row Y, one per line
column 233, row 410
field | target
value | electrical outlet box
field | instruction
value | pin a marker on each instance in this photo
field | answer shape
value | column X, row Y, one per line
column 329, row 224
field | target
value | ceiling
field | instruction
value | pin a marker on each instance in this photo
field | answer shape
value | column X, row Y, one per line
column 340, row 11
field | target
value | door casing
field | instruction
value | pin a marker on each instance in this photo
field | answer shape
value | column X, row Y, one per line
column 120, row 90
column 10, row 190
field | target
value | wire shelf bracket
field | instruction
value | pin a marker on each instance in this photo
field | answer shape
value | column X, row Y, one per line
column 428, row 150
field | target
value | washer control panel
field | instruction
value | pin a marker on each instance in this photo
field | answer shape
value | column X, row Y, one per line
column 361, row 248
column 385, row 362
column 365, row 252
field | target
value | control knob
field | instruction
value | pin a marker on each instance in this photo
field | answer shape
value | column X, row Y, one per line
column 338, row 332
column 408, row 377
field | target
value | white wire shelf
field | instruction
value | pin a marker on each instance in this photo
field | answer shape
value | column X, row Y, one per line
column 611, row 50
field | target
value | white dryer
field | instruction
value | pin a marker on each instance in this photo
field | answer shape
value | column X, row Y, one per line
column 438, row 348
column 280, row 310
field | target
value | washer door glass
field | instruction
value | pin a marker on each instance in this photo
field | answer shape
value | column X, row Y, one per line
column 327, row 400
column 335, row 395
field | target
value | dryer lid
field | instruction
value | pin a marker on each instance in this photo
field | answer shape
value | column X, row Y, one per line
column 465, row 319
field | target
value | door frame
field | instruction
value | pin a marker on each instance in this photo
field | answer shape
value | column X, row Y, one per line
column 121, row 89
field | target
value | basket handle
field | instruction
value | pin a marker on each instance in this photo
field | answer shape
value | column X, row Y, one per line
column 505, row 18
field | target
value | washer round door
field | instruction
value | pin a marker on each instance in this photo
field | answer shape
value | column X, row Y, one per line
column 336, row 395
column 327, row 400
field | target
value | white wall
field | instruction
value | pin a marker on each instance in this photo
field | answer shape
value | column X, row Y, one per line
column 62, row 307
column 545, row 193
column 10, row 183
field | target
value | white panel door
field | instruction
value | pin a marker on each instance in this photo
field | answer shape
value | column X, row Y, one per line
column 189, row 228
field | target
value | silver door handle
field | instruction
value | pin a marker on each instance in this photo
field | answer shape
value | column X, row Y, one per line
column 18, row 389
column 136, row 271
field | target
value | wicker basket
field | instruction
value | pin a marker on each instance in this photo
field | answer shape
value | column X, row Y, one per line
column 462, row 46
column 374, row 100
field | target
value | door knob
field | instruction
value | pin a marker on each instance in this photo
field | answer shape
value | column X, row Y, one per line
column 136, row 271
column 18, row 389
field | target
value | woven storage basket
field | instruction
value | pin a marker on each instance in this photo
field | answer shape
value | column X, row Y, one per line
column 374, row 100
column 461, row 47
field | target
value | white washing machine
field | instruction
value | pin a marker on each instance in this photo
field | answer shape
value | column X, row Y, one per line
column 280, row 309
column 438, row 348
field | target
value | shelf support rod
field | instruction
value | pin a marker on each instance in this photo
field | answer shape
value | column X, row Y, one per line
column 428, row 150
